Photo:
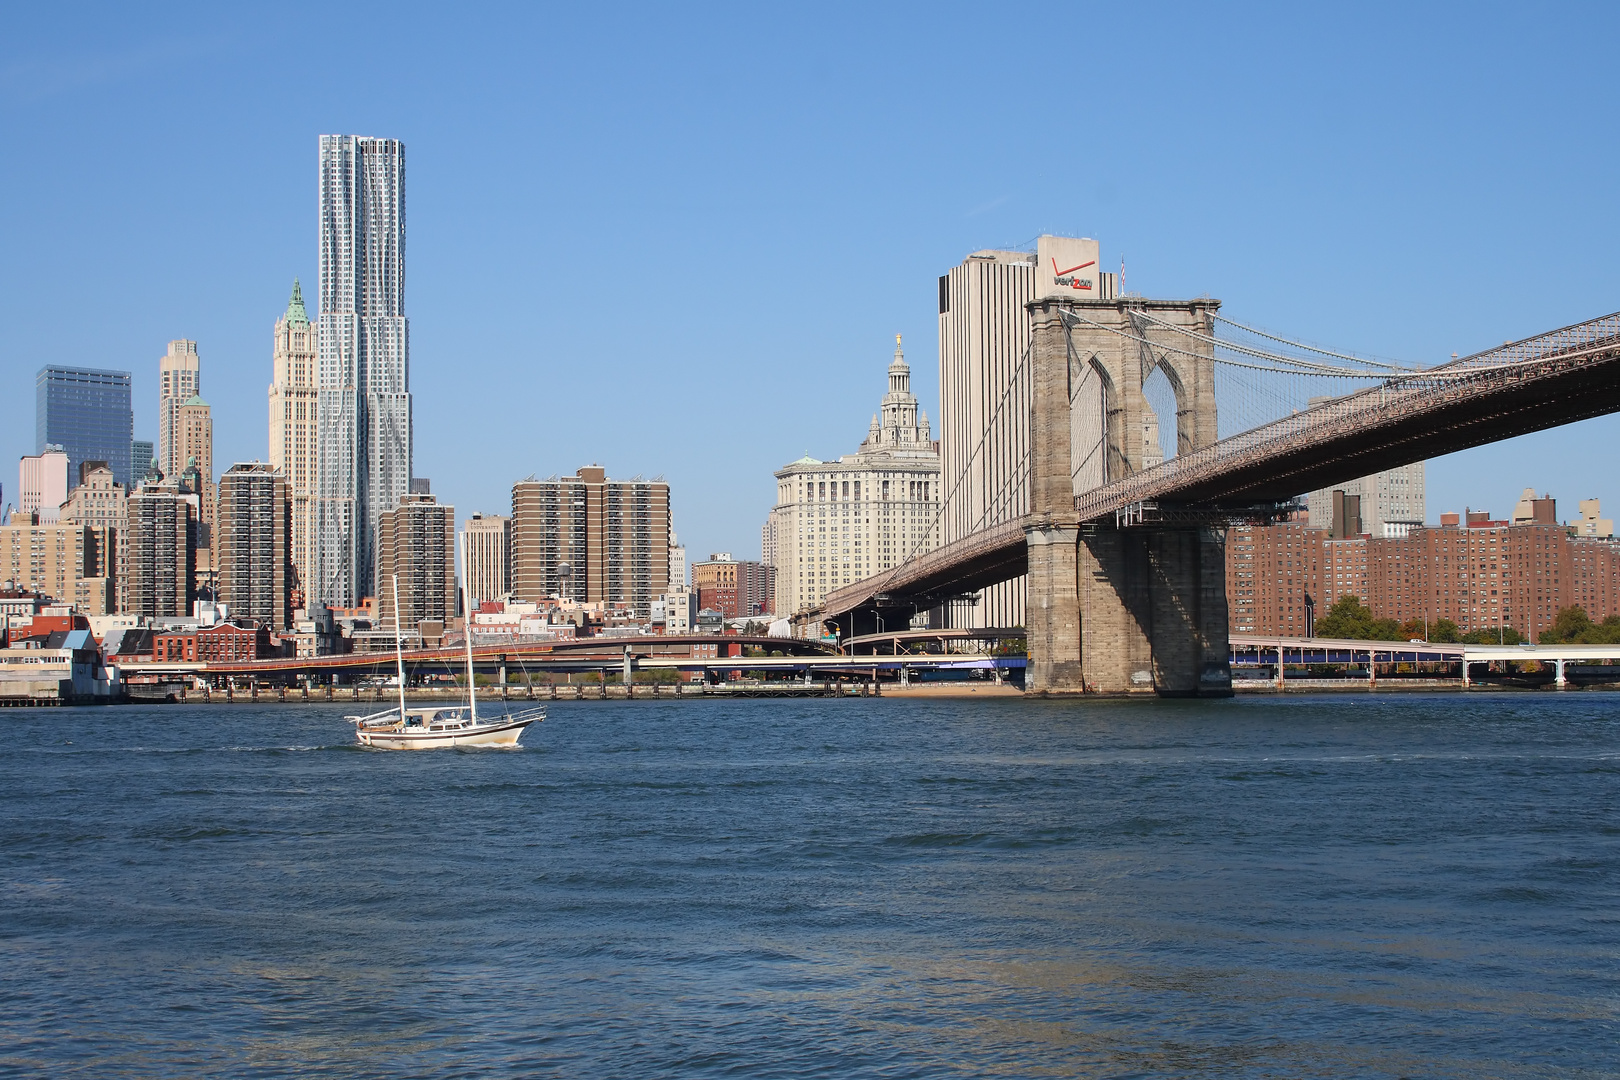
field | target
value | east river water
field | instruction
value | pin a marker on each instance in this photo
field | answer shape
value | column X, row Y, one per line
column 1342, row 886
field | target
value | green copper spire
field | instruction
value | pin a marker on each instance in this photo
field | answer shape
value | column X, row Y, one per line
column 296, row 315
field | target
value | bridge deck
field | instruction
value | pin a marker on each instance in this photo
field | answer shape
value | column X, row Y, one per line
column 1546, row 381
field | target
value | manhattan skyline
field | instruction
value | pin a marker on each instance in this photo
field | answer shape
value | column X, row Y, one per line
column 571, row 287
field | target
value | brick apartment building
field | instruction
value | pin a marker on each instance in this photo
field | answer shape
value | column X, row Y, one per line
column 592, row 540
column 1477, row 572
column 737, row 588
column 225, row 643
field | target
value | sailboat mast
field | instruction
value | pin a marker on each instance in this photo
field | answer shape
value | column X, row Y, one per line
column 466, row 627
column 399, row 651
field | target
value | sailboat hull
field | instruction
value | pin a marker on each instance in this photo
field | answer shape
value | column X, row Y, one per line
column 505, row 732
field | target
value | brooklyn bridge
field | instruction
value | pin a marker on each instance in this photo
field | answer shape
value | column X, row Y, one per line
column 1124, row 554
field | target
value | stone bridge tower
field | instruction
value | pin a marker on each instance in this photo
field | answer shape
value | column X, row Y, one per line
column 1117, row 610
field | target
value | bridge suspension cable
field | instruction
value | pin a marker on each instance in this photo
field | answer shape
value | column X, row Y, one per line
column 1312, row 348
column 1273, row 361
column 1006, row 495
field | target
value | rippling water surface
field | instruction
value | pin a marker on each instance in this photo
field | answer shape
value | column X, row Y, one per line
column 1350, row 886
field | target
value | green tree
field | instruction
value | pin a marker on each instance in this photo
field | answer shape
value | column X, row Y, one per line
column 1570, row 625
column 1438, row 631
column 1486, row 635
column 1444, row 631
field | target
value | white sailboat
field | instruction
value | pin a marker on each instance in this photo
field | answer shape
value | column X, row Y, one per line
column 430, row 728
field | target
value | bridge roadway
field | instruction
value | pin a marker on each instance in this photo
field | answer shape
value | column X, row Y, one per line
column 1542, row 382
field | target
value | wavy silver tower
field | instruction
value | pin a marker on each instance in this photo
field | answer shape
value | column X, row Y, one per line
column 364, row 442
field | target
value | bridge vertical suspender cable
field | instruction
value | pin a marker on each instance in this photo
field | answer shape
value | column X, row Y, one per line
column 1012, row 384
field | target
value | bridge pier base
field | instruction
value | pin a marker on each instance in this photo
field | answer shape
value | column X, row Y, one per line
column 1128, row 611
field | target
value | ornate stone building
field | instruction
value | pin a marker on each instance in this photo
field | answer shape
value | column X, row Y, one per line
column 839, row 521
column 293, row 430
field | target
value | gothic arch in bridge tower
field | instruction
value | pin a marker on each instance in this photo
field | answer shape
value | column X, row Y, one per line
column 1094, row 416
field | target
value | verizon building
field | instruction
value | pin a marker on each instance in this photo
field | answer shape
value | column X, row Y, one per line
column 363, row 456
column 984, row 392
column 984, row 397
column 590, row 539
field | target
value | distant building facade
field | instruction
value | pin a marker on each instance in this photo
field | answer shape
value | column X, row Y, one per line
column 294, row 399
column 488, row 557
column 1478, row 572
column 417, row 542
column 1391, row 502
column 840, row 521
column 179, row 380
column 983, row 334
column 42, row 484
column 592, row 540
column 678, row 611
column 194, row 437
column 767, row 540
column 70, row 562
column 157, row 552
column 86, row 412
column 99, row 500
column 252, row 538
column 737, row 588
column 363, row 446
column 677, row 562
column 1592, row 522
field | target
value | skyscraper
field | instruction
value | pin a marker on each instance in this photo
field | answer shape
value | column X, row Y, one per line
column 363, row 455
column 194, row 445
column 984, row 403
column 292, row 424
column 86, row 412
column 179, row 380
column 141, row 455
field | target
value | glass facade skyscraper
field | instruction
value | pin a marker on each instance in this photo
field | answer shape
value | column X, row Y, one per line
column 85, row 411
column 363, row 445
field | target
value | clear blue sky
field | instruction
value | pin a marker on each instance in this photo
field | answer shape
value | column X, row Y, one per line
column 679, row 240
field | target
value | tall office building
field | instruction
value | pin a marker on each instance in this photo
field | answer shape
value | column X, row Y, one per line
column 363, row 448
column 840, row 521
column 590, row 539
column 142, row 452
column 417, row 542
column 293, row 426
column 767, row 540
column 984, row 408
column 252, row 534
column 194, row 446
column 157, row 552
column 86, row 412
column 488, row 568
column 179, row 380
